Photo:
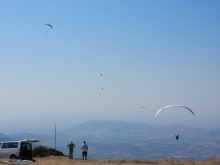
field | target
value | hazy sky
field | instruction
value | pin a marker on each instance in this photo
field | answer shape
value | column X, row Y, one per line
column 151, row 53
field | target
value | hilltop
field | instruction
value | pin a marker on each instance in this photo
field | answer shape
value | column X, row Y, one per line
column 116, row 140
column 77, row 161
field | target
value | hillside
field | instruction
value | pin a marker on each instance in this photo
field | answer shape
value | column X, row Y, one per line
column 127, row 140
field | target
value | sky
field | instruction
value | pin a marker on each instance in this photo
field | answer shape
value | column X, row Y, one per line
column 151, row 53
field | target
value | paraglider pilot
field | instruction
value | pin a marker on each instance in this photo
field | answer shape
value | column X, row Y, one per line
column 177, row 137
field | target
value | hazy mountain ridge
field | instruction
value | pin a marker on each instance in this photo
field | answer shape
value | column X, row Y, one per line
column 111, row 139
column 4, row 137
column 24, row 135
column 106, row 126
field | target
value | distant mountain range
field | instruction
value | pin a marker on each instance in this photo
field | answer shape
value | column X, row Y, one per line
column 127, row 140
column 4, row 137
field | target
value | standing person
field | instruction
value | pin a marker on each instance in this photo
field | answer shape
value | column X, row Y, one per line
column 71, row 147
column 84, row 148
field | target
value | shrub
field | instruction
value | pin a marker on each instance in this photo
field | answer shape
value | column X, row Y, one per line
column 43, row 151
column 40, row 151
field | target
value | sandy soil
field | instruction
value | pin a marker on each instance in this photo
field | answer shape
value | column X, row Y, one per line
column 66, row 161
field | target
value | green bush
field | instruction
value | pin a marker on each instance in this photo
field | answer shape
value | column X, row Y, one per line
column 43, row 151
column 40, row 151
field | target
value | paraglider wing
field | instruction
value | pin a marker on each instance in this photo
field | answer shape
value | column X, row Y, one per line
column 100, row 75
column 49, row 25
column 99, row 88
column 172, row 106
column 132, row 129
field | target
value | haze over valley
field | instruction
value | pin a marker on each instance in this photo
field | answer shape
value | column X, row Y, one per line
column 127, row 140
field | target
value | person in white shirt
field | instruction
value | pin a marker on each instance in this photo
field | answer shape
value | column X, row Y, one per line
column 84, row 148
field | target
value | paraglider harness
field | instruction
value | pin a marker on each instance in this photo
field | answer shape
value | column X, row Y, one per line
column 177, row 137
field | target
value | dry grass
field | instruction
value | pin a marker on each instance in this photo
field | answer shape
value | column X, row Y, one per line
column 65, row 161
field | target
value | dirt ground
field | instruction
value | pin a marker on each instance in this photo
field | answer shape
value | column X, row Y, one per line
column 58, row 160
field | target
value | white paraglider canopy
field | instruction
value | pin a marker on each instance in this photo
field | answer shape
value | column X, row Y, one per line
column 173, row 106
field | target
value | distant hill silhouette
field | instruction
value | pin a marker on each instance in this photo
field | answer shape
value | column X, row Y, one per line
column 108, row 139
column 127, row 140
column 109, row 126
column 4, row 137
column 101, row 127
column 23, row 135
